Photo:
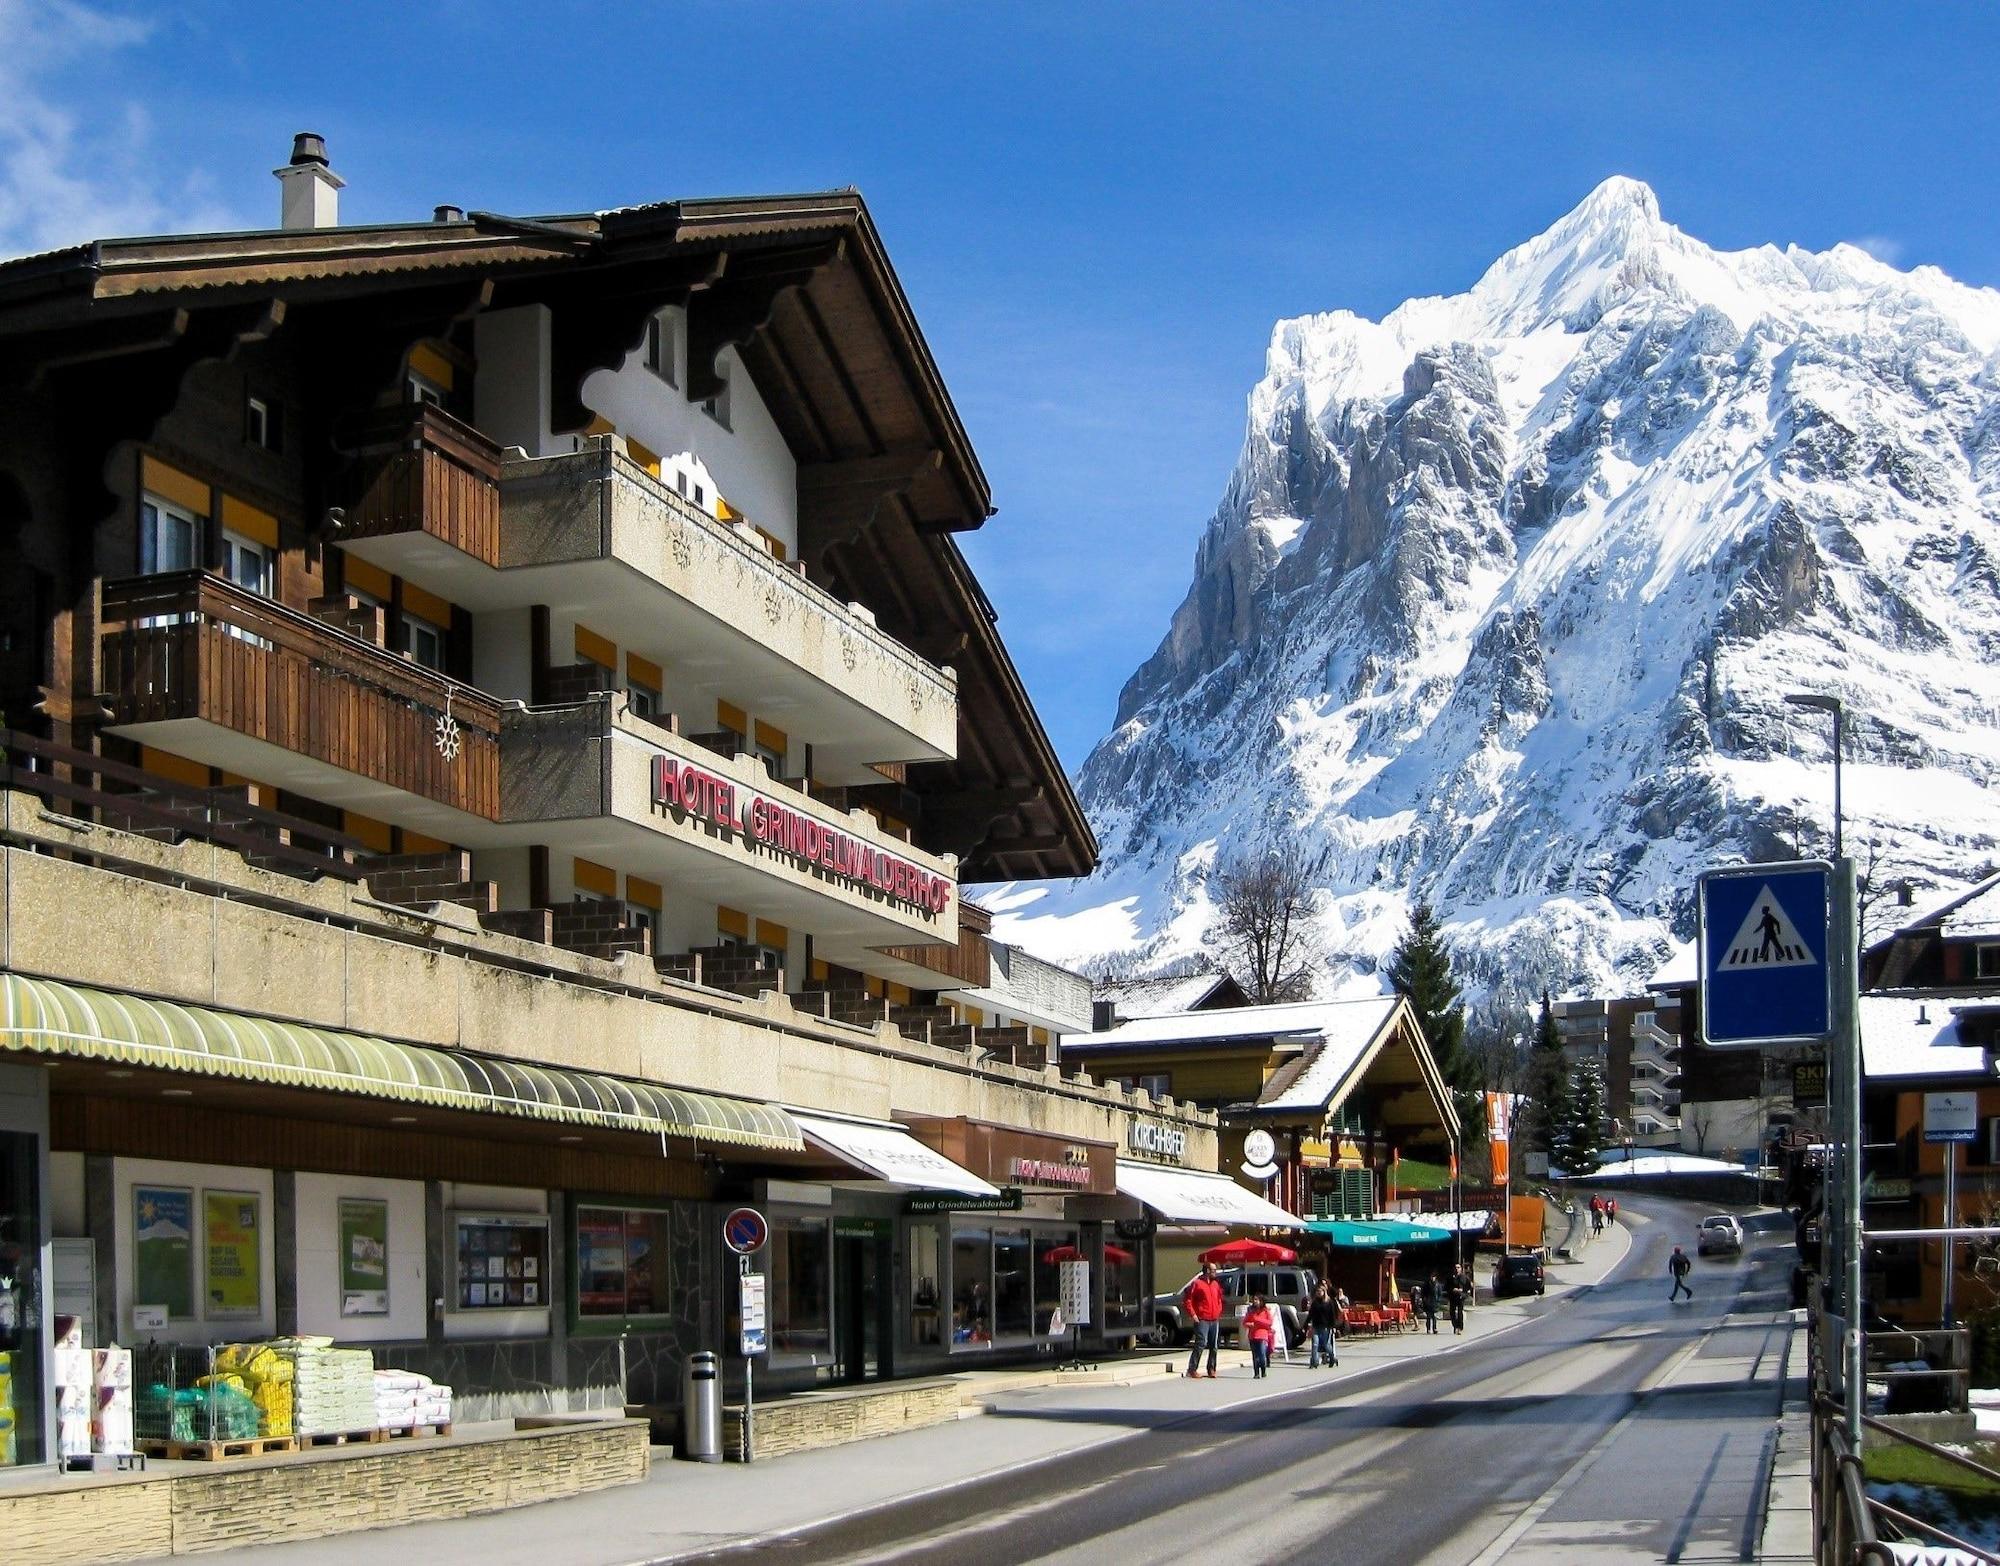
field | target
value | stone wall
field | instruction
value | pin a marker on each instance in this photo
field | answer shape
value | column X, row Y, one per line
column 812, row 1420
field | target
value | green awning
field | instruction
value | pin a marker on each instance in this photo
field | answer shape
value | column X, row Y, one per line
column 43, row 1017
column 1377, row 1235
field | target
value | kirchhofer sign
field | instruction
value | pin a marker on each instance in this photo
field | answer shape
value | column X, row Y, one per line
column 683, row 787
column 1156, row 1139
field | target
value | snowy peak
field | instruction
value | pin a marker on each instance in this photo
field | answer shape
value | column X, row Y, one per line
column 1502, row 599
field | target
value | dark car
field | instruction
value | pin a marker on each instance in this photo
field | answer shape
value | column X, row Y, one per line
column 1518, row 1272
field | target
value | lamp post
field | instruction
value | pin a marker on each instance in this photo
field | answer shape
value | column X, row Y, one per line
column 1833, row 705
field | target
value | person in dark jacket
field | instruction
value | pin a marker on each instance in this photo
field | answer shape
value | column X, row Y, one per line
column 1679, row 1265
column 1323, row 1317
column 1457, row 1299
column 1431, row 1291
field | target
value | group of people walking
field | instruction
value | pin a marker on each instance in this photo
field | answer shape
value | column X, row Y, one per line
column 1204, row 1301
column 1603, row 1213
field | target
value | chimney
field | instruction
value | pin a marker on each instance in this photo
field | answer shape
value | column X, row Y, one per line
column 311, row 189
column 447, row 214
column 1103, row 1016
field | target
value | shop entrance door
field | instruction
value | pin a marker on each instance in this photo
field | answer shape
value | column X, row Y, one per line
column 861, row 1297
column 24, row 1327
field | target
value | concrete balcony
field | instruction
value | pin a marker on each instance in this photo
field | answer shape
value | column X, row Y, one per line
column 594, row 780
column 595, row 537
column 196, row 665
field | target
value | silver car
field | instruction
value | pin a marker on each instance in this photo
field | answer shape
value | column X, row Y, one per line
column 1720, row 1234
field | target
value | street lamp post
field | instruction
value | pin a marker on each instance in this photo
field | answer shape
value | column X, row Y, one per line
column 1833, row 705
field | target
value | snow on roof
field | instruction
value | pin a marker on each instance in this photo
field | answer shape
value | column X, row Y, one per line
column 1917, row 1036
column 1938, row 912
column 1679, row 970
column 1347, row 1040
column 1160, row 997
column 1977, row 914
column 1313, row 1019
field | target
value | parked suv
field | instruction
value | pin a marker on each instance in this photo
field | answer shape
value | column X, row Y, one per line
column 1288, row 1290
column 1519, row 1272
column 1721, row 1234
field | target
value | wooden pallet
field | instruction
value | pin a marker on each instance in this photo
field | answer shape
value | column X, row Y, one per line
column 343, row 1438
column 215, row 1451
column 403, row 1432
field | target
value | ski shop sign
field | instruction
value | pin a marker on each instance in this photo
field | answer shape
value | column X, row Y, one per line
column 687, row 791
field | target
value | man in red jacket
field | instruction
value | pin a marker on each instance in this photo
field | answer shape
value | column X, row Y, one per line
column 1202, row 1300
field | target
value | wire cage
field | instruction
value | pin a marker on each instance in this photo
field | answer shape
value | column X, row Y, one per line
column 190, row 1394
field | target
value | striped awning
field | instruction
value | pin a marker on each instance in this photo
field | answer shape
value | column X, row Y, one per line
column 43, row 1017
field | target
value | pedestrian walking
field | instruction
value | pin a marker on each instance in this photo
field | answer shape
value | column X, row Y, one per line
column 1611, row 1209
column 1323, row 1317
column 1679, row 1265
column 1259, row 1328
column 1457, row 1300
column 1202, row 1300
column 1431, row 1304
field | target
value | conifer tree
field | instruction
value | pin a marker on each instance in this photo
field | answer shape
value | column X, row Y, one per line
column 1584, row 1133
column 1420, row 970
column 1549, row 1110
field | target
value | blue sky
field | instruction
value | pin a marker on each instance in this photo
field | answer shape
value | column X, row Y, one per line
column 1098, row 210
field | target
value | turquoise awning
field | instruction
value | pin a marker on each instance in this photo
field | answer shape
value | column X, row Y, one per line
column 1377, row 1235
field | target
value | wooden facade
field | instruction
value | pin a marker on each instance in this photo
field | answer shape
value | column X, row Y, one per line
column 421, row 470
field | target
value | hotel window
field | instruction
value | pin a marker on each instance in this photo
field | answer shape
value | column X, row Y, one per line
column 801, row 1301
column 420, row 388
column 423, row 641
column 1157, row 1083
column 621, row 1262
column 263, row 423
column 1986, row 961
column 167, row 535
column 247, row 563
column 643, row 700
column 717, row 407
column 660, row 349
column 773, row 759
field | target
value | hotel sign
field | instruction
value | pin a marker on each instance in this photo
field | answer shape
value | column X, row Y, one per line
column 1072, row 1169
column 1156, row 1139
column 688, row 790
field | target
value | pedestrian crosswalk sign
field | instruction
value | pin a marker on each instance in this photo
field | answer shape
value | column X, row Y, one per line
column 1763, row 948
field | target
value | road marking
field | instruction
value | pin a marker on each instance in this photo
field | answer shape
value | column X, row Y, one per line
column 1534, row 1511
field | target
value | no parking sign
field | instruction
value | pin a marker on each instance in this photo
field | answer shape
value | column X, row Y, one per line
column 745, row 1232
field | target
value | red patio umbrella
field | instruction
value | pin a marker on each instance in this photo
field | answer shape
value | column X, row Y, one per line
column 1063, row 1253
column 1235, row 1253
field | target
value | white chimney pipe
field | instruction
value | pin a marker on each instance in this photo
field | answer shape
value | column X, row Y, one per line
column 311, row 189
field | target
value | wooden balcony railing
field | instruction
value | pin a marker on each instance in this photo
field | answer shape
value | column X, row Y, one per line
column 188, row 644
column 968, row 965
column 423, row 471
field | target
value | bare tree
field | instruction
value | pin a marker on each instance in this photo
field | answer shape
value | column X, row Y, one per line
column 1263, row 924
column 1700, row 1119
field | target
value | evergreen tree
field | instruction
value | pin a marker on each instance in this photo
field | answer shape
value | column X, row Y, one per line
column 1420, row 970
column 1584, row 1134
column 1549, row 1111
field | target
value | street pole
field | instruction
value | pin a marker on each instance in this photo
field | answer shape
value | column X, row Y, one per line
column 1950, row 1220
column 1846, row 1046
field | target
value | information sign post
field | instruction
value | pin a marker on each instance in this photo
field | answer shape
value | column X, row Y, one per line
column 746, row 1232
column 1949, row 1119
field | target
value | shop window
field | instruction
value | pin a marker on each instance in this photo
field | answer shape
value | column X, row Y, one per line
column 501, row 1262
column 1013, row 1283
column 621, row 1262
column 167, row 535
column 22, row 1331
column 971, row 1287
column 926, row 1325
column 1053, row 1247
column 801, row 1307
column 1121, row 1288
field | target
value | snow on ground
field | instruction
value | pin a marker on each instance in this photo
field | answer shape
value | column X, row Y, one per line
column 1662, row 1164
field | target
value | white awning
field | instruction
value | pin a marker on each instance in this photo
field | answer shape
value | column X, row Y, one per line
column 891, row 1154
column 1189, row 1196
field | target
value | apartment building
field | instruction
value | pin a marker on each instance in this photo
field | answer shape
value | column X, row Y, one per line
column 1634, row 1041
column 495, row 722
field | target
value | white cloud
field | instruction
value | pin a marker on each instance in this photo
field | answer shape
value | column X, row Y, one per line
column 70, row 169
column 1884, row 249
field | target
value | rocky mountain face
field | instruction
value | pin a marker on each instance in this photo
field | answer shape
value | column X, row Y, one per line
column 1504, row 596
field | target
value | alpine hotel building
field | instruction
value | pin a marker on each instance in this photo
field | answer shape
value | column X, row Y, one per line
column 495, row 722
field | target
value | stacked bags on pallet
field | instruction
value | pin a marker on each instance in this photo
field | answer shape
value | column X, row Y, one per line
column 266, row 1375
column 333, row 1390
column 405, row 1400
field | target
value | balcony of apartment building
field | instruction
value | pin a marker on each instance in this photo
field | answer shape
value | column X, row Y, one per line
column 220, row 675
column 595, row 781
column 595, row 536
column 1652, row 1045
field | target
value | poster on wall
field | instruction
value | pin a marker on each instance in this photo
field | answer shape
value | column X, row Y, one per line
column 163, row 1249
column 230, row 1220
column 364, row 1256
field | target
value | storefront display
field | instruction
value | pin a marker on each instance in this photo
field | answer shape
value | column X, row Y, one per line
column 364, row 1256
column 801, row 1265
column 926, row 1324
column 163, row 1249
column 501, row 1261
column 621, row 1262
column 231, row 1263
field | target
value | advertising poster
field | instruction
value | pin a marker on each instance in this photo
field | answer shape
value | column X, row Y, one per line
column 230, row 1223
column 364, row 1256
column 163, row 1249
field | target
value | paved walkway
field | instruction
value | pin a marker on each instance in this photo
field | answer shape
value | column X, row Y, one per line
column 690, row 1508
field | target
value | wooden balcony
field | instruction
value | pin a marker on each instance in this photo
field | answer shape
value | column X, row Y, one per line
column 422, row 471
column 968, row 965
column 195, row 664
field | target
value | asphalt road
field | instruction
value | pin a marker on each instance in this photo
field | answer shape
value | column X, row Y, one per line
column 1609, row 1425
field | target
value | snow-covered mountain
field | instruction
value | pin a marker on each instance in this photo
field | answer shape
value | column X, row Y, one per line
column 1503, row 598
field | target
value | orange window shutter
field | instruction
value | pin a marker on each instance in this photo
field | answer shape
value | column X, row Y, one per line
column 732, row 717
column 599, row 880
column 731, row 921
column 600, row 650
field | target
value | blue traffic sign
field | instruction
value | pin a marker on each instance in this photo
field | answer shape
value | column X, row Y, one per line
column 1765, row 978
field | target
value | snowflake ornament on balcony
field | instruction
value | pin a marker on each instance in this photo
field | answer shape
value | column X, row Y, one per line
column 445, row 733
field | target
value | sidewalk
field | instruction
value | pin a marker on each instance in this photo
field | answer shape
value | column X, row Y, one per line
column 687, row 1508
